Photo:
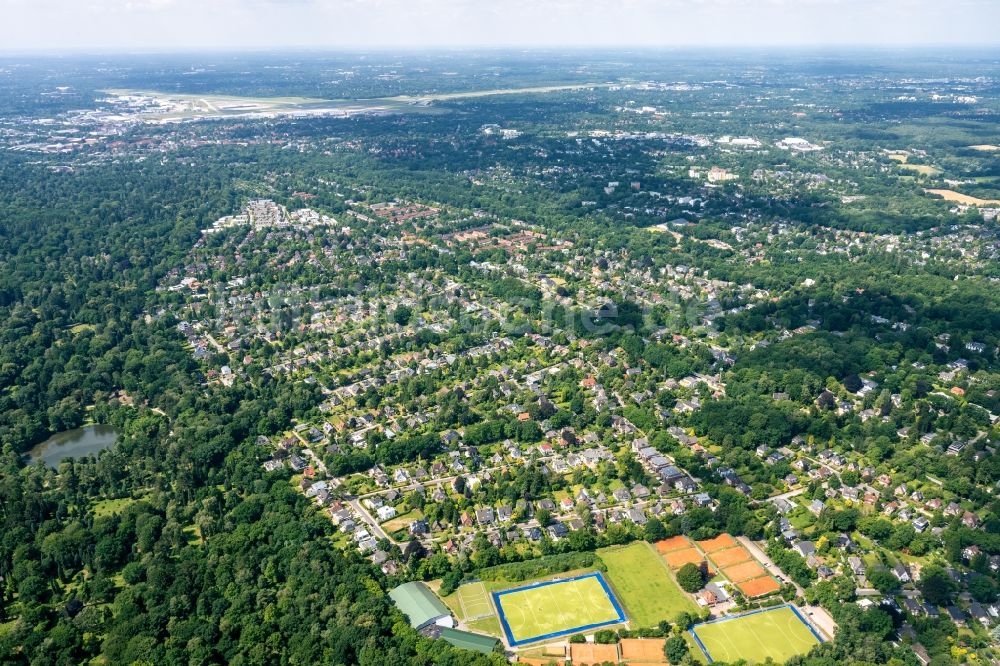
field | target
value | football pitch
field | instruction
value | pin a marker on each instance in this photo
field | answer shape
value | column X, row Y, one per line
column 776, row 633
column 556, row 608
column 475, row 601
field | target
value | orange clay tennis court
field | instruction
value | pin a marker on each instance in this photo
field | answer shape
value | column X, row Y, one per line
column 642, row 649
column 672, row 544
column 730, row 556
column 592, row 653
column 679, row 558
column 746, row 571
column 720, row 542
column 758, row 587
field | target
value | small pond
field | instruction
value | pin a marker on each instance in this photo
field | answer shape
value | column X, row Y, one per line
column 76, row 443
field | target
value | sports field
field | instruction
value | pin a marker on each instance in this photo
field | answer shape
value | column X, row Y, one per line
column 720, row 542
column 777, row 633
column 647, row 650
column 592, row 653
column 758, row 587
column 556, row 608
column 475, row 601
column 679, row 558
column 644, row 584
column 745, row 571
column 672, row 544
column 730, row 556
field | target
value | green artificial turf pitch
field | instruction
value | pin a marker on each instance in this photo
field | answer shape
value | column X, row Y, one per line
column 556, row 608
column 779, row 633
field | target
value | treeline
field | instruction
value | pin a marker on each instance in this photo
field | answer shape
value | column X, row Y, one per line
column 541, row 567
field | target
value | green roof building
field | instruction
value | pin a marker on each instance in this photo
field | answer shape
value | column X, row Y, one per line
column 469, row 641
column 421, row 606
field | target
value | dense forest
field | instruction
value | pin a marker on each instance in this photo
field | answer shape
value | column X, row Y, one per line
column 817, row 305
column 210, row 560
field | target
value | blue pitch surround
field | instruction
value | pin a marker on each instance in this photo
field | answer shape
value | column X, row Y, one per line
column 795, row 611
column 572, row 630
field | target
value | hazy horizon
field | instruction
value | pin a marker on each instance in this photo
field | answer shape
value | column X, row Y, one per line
column 60, row 26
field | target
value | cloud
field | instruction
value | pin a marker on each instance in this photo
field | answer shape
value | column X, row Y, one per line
column 249, row 24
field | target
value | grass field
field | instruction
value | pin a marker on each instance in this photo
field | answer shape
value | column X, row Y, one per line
column 644, row 584
column 487, row 625
column 922, row 169
column 556, row 608
column 475, row 601
column 778, row 634
column 958, row 197
column 103, row 508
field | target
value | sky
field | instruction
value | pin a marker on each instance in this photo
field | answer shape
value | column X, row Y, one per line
column 151, row 25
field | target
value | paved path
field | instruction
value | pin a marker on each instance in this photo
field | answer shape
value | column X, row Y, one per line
column 789, row 495
column 821, row 620
column 214, row 342
column 771, row 567
column 373, row 525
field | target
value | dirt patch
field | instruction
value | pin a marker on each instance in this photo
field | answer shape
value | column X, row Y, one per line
column 720, row 542
column 745, row 571
column 758, row 587
column 672, row 544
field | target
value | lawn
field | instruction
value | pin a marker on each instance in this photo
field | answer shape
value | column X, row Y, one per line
column 556, row 608
column 778, row 634
column 108, row 507
column 401, row 521
column 487, row 625
column 801, row 519
column 922, row 169
column 642, row 581
column 475, row 601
